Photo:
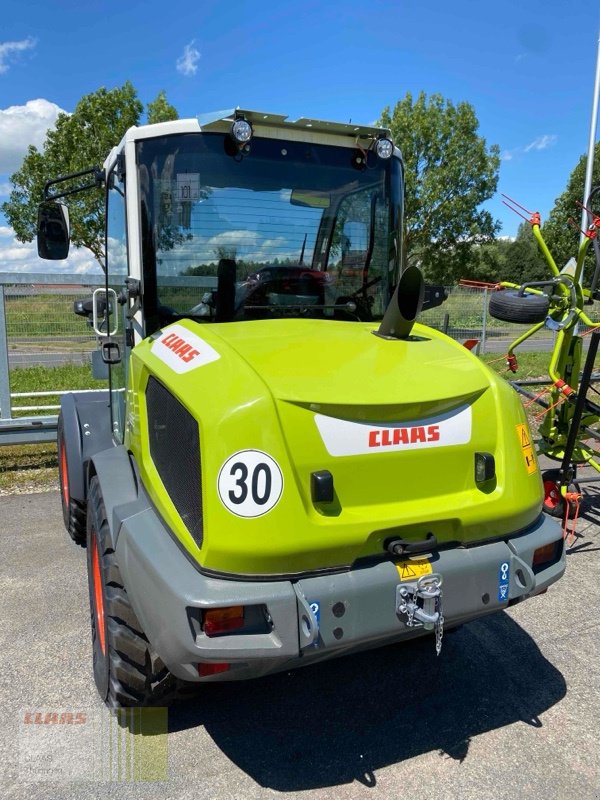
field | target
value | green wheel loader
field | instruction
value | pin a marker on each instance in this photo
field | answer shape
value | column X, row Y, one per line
column 286, row 466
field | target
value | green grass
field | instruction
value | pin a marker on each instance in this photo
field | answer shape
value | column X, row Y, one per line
column 47, row 379
column 531, row 365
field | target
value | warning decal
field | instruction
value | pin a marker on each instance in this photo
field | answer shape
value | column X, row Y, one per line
column 527, row 448
column 407, row 570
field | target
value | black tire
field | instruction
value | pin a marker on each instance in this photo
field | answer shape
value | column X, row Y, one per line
column 127, row 671
column 73, row 511
column 509, row 306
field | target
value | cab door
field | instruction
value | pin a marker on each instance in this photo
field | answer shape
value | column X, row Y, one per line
column 117, row 270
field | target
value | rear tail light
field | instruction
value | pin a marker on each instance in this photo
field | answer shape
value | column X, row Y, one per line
column 204, row 670
column 485, row 467
column 545, row 554
column 222, row 620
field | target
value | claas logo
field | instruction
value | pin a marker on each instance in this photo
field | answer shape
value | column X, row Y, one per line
column 180, row 347
column 386, row 437
column 55, row 718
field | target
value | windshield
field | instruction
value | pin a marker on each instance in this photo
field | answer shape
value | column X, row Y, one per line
column 287, row 228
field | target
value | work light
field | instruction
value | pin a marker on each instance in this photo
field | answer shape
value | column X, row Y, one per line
column 241, row 130
column 384, row 147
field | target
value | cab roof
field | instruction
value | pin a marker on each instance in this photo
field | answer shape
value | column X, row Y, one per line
column 273, row 125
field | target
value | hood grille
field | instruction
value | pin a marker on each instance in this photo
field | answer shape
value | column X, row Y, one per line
column 175, row 450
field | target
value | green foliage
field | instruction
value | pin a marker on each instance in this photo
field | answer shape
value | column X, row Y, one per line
column 79, row 141
column 562, row 238
column 524, row 261
column 449, row 172
column 489, row 261
column 504, row 260
column 159, row 110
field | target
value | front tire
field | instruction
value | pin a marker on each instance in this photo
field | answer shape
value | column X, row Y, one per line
column 127, row 671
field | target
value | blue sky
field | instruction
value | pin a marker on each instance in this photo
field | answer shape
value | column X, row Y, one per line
column 528, row 70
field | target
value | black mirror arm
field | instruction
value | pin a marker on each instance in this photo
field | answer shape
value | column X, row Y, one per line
column 97, row 172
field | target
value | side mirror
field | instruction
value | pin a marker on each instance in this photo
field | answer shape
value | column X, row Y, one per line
column 53, row 230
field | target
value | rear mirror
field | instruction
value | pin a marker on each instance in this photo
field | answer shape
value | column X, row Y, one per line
column 53, row 230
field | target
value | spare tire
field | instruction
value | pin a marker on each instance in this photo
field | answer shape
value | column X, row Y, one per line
column 510, row 306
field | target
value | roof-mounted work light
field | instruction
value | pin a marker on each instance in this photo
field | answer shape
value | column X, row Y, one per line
column 384, row 147
column 241, row 131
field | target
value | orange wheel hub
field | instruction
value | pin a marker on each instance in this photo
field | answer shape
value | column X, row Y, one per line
column 98, row 597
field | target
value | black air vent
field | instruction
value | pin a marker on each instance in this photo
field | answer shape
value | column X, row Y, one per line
column 175, row 450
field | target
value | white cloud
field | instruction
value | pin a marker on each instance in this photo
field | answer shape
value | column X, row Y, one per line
column 539, row 143
column 18, row 256
column 187, row 63
column 542, row 142
column 21, row 126
column 5, row 189
column 8, row 50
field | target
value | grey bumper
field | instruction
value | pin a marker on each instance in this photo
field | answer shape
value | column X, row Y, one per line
column 350, row 610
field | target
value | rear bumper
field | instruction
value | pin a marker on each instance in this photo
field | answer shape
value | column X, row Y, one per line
column 356, row 608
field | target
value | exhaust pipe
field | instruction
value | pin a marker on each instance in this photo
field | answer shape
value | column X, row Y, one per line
column 404, row 307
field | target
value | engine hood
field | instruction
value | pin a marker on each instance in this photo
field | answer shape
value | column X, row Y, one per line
column 337, row 364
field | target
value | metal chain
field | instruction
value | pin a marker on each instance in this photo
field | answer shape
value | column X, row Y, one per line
column 411, row 609
column 439, row 625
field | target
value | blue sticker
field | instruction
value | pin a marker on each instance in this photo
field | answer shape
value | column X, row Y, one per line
column 503, row 581
column 315, row 607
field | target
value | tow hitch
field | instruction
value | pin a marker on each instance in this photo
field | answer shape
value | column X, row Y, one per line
column 421, row 602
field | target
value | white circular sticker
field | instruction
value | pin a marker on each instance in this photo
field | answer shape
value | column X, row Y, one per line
column 250, row 483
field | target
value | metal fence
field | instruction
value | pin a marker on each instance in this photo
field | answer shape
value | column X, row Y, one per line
column 39, row 329
column 464, row 315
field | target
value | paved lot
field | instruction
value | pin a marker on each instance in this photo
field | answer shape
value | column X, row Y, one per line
column 509, row 710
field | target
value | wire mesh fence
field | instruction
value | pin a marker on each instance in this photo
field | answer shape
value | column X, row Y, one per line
column 41, row 328
column 464, row 315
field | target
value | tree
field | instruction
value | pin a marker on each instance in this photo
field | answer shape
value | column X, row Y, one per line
column 561, row 238
column 79, row 141
column 524, row 261
column 449, row 172
column 159, row 110
column 488, row 262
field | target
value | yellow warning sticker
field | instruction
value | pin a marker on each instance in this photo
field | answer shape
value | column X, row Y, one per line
column 407, row 570
column 527, row 449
